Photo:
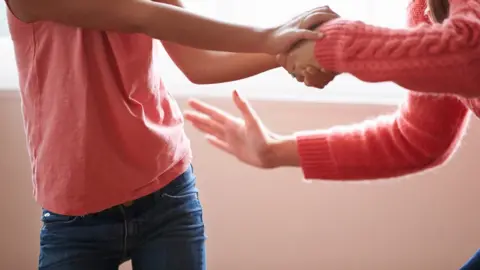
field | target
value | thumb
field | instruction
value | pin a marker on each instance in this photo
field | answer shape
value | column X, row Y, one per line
column 246, row 110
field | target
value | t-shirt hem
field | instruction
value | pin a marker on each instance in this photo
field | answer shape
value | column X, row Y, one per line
column 158, row 183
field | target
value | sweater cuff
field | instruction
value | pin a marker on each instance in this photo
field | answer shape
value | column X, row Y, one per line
column 316, row 159
column 328, row 49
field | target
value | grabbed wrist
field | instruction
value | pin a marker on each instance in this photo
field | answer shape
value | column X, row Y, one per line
column 265, row 43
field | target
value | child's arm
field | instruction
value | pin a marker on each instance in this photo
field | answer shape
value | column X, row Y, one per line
column 422, row 134
column 420, row 59
column 166, row 22
column 206, row 67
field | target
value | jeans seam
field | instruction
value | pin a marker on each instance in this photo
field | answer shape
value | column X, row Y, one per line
column 125, row 233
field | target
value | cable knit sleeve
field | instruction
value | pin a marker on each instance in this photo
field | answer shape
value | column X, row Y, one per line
column 438, row 58
column 421, row 134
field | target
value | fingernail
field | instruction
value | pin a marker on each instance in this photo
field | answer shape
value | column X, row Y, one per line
column 320, row 35
column 237, row 93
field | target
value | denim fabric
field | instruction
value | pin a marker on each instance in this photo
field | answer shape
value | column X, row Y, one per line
column 473, row 263
column 162, row 231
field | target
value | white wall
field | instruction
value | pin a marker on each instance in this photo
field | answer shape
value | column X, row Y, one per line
column 3, row 20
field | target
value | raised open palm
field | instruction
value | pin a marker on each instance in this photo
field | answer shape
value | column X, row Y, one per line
column 247, row 138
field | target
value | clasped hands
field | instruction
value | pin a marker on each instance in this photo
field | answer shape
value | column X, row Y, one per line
column 300, row 60
column 246, row 137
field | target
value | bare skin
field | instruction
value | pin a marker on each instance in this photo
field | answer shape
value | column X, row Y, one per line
column 247, row 52
column 245, row 137
column 162, row 21
column 227, row 66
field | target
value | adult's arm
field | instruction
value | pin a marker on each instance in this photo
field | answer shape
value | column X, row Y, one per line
column 420, row 59
column 422, row 134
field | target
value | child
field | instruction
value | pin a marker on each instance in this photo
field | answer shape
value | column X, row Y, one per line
column 110, row 159
column 441, row 58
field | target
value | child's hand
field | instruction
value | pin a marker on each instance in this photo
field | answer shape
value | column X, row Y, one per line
column 300, row 62
column 317, row 78
column 282, row 38
column 300, row 57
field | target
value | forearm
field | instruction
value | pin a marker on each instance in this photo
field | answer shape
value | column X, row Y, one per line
column 160, row 20
column 221, row 67
column 200, row 32
column 423, row 134
column 419, row 59
column 207, row 67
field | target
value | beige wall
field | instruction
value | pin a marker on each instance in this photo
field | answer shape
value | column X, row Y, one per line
column 262, row 220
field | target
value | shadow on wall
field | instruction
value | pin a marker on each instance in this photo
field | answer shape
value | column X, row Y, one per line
column 271, row 220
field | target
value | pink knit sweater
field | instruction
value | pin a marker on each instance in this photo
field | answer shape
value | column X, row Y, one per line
column 439, row 63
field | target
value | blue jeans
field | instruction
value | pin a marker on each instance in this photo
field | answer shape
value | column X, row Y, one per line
column 161, row 231
column 473, row 263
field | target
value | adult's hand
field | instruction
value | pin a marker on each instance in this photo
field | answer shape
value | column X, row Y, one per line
column 244, row 137
column 284, row 37
column 301, row 65
column 300, row 61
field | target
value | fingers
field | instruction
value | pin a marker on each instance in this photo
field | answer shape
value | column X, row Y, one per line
column 311, row 72
column 325, row 9
column 246, row 110
column 321, row 9
column 212, row 112
column 314, row 20
column 288, row 64
column 215, row 133
column 205, row 124
column 310, row 34
column 220, row 144
column 300, row 77
column 316, row 78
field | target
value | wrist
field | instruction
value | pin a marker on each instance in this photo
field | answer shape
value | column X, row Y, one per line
column 282, row 152
column 271, row 62
column 265, row 43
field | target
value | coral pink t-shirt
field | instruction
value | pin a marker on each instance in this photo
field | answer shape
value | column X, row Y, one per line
column 101, row 128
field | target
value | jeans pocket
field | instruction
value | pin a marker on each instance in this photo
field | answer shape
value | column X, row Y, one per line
column 183, row 188
column 184, row 203
column 52, row 219
column 184, row 196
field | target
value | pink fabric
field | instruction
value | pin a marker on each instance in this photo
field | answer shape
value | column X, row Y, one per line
column 101, row 128
column 425, row 130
